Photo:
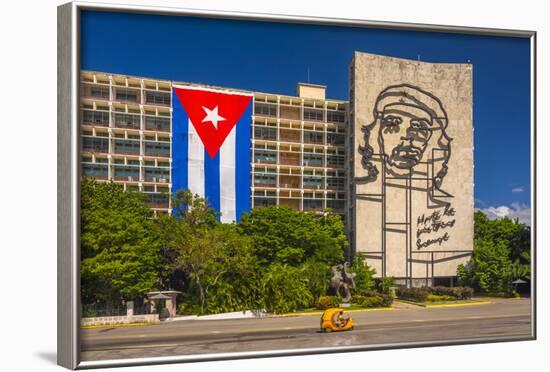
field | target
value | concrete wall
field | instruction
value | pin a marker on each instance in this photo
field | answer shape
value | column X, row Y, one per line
column 413, row 192
column 110, row 320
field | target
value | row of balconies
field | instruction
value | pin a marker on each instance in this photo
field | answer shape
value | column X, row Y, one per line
column 299, row 136
column 126, row 95
column 302, row 204
column 125, row 121
column 301, row 113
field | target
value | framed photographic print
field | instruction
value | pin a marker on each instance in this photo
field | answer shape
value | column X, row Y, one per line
column 236, row 185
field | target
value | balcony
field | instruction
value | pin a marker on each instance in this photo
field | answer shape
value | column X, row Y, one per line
column 260, row 202
column 127, row 95
column 95, row 144
column 95, row 118
column 265, row 156
column 313, row 137
column 157, row 124
column 157, row 98
column 289, row 182
column 96, row 171
column 313, row 183
column 126, row 121
column 289, row 112
column 263, row 133
column 126, row 147
column 161, row 149
column 313, row 204
column 292, row 203
column 288, row 135
column 289, row 159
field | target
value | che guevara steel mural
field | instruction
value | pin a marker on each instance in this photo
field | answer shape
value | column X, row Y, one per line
column 406, row 148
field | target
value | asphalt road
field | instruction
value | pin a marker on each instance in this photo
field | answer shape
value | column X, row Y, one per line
column 501, row 318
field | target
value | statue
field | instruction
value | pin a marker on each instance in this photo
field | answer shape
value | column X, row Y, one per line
column 342, row 281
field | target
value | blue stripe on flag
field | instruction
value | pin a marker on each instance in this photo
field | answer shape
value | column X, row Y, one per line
column 242, row 163
column 212, row 180
column 180, row 131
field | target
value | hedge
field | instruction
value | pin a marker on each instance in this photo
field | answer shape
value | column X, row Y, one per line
column 326, row 302
column 379, row 300
column 412, row 294
column 421, row 294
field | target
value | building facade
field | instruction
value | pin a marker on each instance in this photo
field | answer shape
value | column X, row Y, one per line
column 297, row 147
column 396, row 160
column 412, row 202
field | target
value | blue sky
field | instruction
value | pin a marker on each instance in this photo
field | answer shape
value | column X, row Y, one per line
column 272, row 57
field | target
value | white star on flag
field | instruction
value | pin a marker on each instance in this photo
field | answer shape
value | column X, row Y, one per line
column 212, row 116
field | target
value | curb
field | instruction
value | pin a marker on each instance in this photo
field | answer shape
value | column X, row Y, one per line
column 321, row 312
column 115, row 325
column 446, row 305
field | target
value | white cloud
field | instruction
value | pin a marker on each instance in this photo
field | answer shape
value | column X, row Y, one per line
column 516, row 210
column 517, row 189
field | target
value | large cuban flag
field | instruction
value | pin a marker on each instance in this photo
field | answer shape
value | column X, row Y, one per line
column 211, row 147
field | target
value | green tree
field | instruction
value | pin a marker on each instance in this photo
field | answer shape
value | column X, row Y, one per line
column 285, row 288
column 216, row 259
column 364, row 274
column 284, row 236
column 489, row 270
column 120, row 251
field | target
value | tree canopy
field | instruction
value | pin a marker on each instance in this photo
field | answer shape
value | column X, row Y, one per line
column 120, row 256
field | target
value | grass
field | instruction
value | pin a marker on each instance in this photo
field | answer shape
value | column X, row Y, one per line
column 443, row 303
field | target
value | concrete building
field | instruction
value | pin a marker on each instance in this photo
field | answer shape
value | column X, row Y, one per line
column 396, row 160
column 411, row 204
column 298, row 142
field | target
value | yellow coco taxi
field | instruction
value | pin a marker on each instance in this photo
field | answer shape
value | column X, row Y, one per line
column 335, row 320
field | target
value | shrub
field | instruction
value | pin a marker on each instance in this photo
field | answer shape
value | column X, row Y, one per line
column 442, row 291
column 463, row 293
column 366, row 293
column 285, row 289
column 436, row 298
column 385, row 284
column 379, row 300
column 413, row 294
column 326, row 302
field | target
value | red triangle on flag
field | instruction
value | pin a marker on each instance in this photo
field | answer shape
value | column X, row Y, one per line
column 212, row 113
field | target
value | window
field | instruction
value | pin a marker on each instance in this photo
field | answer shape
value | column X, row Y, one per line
column 157, row 98
column 157, row 149
column 265, row 133
column 99, row 171
column 126, row 146
column 265, row 179
column 335, row 161
column 313, row 160
column 95, row 117
column 129, row 173
column 335, row 204
column 313, row 204
column 100, row 92
column 127, row 121
column 264, row 202
column 335, row 139
column 95, row 144
column 313, row 137
column 158, row 200
column 336, row 116
column 265, row 156
column 156, row 174
column 313, row 114
column 335, row 182
column 265, row 109
column 156, row 123
column 313, row 182
column 126, row 95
